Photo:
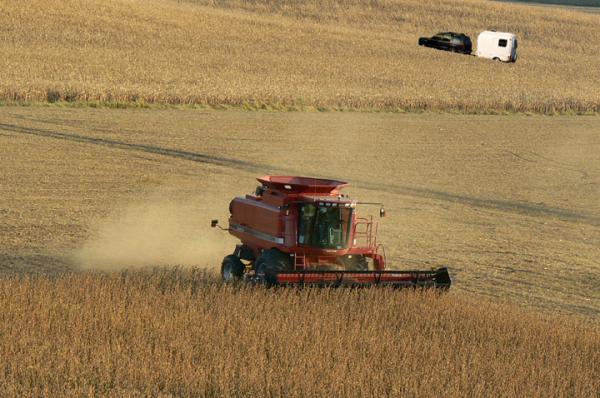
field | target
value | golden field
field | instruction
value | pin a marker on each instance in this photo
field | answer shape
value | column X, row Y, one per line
column 180, row 333
column 508, row 203
column 108, row 267
column 334, row 54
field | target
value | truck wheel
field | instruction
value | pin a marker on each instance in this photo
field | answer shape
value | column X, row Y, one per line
column 354, row 263
column 271, row 262
column 232, row 269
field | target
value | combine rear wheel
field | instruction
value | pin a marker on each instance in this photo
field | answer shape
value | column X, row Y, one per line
column 271, row 262
column 232, row 269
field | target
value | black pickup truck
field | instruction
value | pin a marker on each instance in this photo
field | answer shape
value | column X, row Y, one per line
column 449, row 41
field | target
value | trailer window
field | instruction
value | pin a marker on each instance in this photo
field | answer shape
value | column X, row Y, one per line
column 323, row 226
column 502, row 43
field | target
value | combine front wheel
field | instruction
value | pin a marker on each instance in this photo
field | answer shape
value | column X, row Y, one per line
column 232, row 269
column 271, row 262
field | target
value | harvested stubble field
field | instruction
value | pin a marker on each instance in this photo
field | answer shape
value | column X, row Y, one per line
column 509, row 203
column 333, row 54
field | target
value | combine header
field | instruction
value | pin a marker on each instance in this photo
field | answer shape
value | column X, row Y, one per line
column 302, row 231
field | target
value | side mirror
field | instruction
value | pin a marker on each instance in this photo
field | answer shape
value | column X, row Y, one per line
column 214, row 223
column 381, row 212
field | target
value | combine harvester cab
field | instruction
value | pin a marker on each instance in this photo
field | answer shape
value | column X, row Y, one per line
column 301, row 231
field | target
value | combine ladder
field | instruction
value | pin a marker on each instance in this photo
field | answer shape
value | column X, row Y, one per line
column 363, row 231
column 299, row 262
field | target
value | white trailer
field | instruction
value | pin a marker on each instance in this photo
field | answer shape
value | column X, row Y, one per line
column 499, row 46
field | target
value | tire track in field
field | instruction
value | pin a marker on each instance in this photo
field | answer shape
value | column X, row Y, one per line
column 174, row 153
column 530, row 209
column 508, row 206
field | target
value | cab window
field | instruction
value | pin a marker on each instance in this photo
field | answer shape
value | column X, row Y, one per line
column 324, row 226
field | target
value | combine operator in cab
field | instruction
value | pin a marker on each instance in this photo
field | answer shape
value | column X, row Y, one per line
column 303, row 231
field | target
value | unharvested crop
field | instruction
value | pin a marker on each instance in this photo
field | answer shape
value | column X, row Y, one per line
column 335, row 54
column 181, row 333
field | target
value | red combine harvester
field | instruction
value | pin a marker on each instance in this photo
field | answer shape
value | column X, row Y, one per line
column 303, row 231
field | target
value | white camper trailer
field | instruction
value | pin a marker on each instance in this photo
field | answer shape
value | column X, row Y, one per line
column 500, row 46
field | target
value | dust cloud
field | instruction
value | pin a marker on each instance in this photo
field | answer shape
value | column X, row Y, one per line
column 155, row 232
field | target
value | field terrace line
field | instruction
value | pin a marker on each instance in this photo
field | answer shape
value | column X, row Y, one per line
column 529, row 209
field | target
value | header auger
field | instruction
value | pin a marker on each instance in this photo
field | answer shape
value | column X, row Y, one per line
column 302, row 231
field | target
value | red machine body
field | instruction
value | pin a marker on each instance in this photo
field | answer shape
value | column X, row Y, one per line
column 304, row 231
column 272, row 217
